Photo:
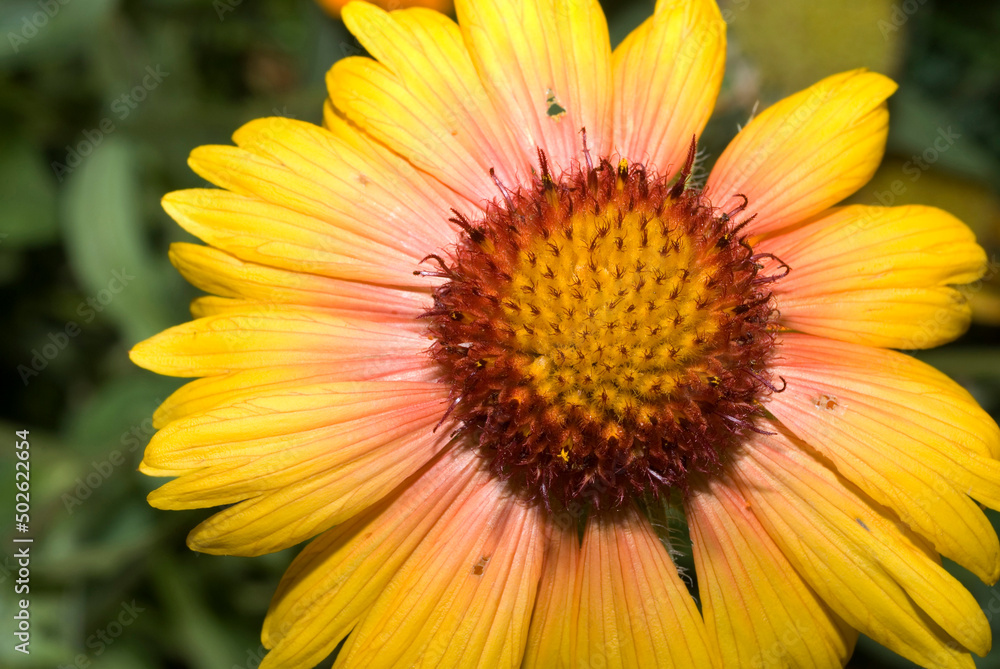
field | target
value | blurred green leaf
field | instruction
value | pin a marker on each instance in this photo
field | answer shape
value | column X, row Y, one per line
column 52, row 631
column 77, row 558
column 105, row 244
column 920, row 126
column 202, row 640
column 27, row 189
column 118, row 416
column 47, row 30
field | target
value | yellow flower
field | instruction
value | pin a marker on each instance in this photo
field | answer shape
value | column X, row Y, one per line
column 335, row 7
column 476, row 334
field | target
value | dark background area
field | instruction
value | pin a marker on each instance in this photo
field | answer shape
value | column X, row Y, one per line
column 100, row 104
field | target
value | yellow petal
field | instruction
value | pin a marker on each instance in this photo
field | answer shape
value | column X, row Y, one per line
column 310, row 171
column 275, row 335
column 303, row 459
column 358, row 186
column 552, row 635
column 904, row 433
column 878, row 276
column 384, row 159
column 667, row 75
column 247, row 428
column 425, row 99
column 334, row 581
column 547, row 67
column 274, row 235
column 756, row 606
column 224, row 274
column 204, row 394
column 805, row 153
column 867, row 568
column 270, row 234
column 212, row 305
column 372, row 98
column 634, row 609
column 334, row 7
column 465, row 595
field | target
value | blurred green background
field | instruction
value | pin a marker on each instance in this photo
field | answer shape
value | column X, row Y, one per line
column 100, row 102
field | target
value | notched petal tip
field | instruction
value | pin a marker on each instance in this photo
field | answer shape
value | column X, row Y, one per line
column 145, row 467
column 807, row 152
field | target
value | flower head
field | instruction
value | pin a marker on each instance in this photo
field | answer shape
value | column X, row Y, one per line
column 605, row 333
column 480, row 333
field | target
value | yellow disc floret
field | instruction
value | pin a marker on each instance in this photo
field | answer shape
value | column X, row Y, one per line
column 605, row 334
column 609, row 314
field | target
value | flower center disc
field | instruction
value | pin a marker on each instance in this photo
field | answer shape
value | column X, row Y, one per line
column 605, row 335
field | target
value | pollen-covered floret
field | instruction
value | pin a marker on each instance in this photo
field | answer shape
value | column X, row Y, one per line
column 606, row 333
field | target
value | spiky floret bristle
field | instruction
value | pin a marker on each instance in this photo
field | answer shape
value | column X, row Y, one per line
column 606, row 334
